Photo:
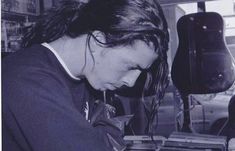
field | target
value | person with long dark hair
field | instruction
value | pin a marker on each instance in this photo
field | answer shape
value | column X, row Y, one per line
column 103, row 44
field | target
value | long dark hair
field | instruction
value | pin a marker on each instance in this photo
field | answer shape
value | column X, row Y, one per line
column 122, row 22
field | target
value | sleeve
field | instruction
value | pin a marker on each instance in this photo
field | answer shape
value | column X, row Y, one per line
column 42, row 108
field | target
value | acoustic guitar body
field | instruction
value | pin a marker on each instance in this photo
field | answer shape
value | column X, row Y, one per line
column 203, row 63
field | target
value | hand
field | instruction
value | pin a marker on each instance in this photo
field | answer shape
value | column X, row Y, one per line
column 111, row 127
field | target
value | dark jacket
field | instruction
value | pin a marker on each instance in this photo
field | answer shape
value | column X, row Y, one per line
column 43, row 107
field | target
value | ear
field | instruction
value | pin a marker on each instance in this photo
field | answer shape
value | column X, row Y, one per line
column 97, row 41
column 99, row 37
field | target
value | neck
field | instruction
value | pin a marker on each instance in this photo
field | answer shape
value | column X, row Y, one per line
column 72, row 51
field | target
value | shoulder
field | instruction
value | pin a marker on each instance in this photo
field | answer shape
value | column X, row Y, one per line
column 29, row 57
column 31, row 64
column 32, row 81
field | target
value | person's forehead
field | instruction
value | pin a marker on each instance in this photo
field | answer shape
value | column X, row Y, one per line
column 142, row 54
column 143, row 51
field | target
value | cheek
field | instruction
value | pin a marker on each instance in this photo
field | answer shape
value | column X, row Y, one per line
column 113, row 68
column 108, row 70
column 111, row 74
column 118, row 71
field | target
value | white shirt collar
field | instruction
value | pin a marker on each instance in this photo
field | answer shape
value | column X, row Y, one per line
column 60, row 60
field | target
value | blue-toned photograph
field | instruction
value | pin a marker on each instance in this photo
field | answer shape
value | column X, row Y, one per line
column 117, row 75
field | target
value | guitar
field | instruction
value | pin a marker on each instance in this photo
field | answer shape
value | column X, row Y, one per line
column 203, row 63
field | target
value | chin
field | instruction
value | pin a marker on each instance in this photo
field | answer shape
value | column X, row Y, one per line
column 98, row 87
column 102, row 89
column 111, row 87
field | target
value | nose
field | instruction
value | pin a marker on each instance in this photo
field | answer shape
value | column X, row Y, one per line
column 130, row 79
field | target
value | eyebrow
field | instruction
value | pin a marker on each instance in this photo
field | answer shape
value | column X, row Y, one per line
column 137, row 66
column 140, row 68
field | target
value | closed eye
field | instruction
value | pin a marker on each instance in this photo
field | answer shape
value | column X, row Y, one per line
column 137, row 67
column 134, row 66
